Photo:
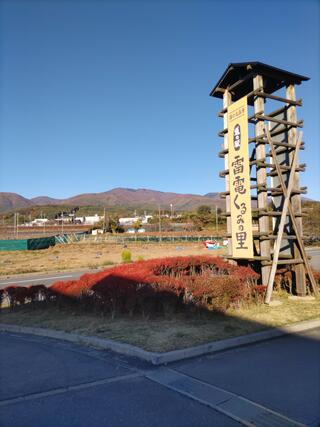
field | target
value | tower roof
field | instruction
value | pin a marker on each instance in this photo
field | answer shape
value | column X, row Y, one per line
column 238, row 79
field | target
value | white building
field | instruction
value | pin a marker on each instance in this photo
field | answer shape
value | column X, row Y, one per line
column 39, row 221
column 129, row 221
column 88, row 220
column 145, row 219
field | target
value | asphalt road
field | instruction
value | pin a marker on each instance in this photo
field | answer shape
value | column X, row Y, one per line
column 46, row 382
column 48, row 279
column 315, row 257
column 44, row 279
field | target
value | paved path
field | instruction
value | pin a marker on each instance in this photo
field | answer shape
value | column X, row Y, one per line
column 47, row 382
column 44, row 279
column 52, row 383
column 315, row 257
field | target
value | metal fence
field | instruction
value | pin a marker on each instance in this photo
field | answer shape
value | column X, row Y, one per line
column 42, row 243
column 69, row 238
column 139, row 239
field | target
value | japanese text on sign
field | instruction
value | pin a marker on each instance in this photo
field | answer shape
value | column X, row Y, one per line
column 239, row 180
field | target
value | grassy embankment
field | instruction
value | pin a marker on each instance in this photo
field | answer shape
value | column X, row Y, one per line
column 90, row 256
column 170, row 332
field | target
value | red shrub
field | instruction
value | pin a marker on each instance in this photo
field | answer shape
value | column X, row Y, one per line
column 204, row 281
column 316, row 275
column 217, row 293
column 258, row 293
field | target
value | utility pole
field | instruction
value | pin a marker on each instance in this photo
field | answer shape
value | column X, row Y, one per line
column 62, row 223
column 104, row 219
column 159, row 224
column 216, row 218
column 14, row 225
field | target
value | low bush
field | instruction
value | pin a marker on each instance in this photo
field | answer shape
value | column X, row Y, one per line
column 164, row 285
column 154, row 286
column 126, row 256
column 316, row 275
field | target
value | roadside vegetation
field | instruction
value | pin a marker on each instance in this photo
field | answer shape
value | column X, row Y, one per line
column 159, row 305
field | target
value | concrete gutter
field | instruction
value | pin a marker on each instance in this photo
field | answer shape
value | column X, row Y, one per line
column 170, row 356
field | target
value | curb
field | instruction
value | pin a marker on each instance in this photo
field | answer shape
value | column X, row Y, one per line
column 170, row 356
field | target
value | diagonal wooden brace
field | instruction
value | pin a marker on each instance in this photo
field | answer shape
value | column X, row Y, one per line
column 287, row 206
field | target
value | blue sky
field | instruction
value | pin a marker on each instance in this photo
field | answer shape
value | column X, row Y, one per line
column 103, row 94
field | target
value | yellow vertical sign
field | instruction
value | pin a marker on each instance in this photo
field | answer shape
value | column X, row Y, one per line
column 239, row 180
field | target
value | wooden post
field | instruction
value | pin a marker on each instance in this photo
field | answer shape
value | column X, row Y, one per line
column 292, row 216
column 262, row 181
column 277, row 245
column 226, row 103
column 300, row 274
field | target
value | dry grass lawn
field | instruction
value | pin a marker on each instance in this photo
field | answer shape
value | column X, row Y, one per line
column 166, row 333
column 90, row 256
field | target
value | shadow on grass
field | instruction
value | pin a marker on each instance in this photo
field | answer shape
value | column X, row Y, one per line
column 156, row 321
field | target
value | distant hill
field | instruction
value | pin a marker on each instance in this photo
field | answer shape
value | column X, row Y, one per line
column 45, row 200
column 117, row 197
column 212, row 195
column 10, row 201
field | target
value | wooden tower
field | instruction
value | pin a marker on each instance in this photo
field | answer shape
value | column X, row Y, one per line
column 273, row 124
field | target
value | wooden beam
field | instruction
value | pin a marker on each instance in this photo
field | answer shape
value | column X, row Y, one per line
column 272, row 237
column 295, row 227
column 278, row 111
column 262, row 164
column 281, row 122
column 280, row 130
column 223, row 132
column 261, row 93
column 240, row 82
column 283, row 145
column 284, row 261
column 261, row 140
column 289, row 101
column 264, row 246
column 271, row 190
column 300, row 273
column 261, row 212
column 277, row 244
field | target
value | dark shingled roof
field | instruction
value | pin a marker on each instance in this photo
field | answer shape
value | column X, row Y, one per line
column 274, row 79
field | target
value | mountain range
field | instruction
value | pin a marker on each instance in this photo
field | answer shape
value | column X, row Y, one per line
column 117, row 197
